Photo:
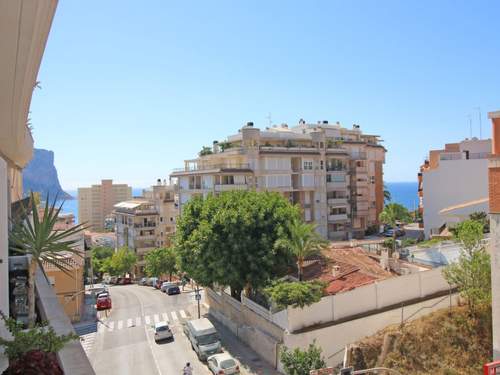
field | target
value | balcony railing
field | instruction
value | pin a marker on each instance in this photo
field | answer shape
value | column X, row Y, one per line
column 147, row 225
column 204, row 167
column 229, row 187
column 337, row 201
column 338, row 217
column 358, row 155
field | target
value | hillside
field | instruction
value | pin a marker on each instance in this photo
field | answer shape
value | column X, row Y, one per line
column 437, row 344
column 41, row 175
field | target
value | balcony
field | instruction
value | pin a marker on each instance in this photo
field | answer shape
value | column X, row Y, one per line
column 287, row 150
column 146, row 225
column 337, row 201
column 216, row 167
column 229, row 187
column 358, row 155
column 338, row 217
column 361, row 170
column 336, row 185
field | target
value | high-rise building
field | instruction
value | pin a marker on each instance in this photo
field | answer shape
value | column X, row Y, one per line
column 95, row 203
column 453, row 183
column 335, row 174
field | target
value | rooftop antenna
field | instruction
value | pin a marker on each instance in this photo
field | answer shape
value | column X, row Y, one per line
column 470, row 124
column 478, row 109
column 269, row 118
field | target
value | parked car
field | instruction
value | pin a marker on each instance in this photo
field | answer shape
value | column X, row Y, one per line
column 173, row 290
column 152, row 281
column 143, row 281
column 103, row 301
column 223, row 364
column 113, row 280
column 165, row 285
column 163, row 331
column 158, row 284
column 203, row 337
column 390, row 232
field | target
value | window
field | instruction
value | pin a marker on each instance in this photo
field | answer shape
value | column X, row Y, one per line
column 308, row 165
column 335, row 178
column 321, row 163
column 161, row 219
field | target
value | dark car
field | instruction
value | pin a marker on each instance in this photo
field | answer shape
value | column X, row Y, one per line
column 173, row 290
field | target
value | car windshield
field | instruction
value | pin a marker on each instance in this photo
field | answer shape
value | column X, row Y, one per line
column 227, row 363
column 211, row 338
column 161, row 328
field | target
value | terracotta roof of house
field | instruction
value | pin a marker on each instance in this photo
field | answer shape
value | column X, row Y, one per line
column 344, row 269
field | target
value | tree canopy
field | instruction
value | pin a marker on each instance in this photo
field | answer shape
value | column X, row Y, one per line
column 295, row 294
column 235, row 239
column 100, row 259
column 161, row 261
column 121, row 262
column 472, row 272
column 301, row 362
column 391, row 215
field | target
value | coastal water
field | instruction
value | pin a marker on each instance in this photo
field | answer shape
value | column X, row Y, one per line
column 404, row 193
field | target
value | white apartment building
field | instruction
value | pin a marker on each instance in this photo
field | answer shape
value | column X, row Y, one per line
column 146, row 223
column 453, row 182
column 335, row 174
column 96, row 203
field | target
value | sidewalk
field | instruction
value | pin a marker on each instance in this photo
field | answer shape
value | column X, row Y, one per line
column 250, row 361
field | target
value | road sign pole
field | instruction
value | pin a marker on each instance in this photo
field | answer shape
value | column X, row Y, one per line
column 198, row 299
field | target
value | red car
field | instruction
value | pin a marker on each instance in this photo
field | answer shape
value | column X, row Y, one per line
column 103, row 302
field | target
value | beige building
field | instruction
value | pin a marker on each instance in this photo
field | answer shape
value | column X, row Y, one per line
column 96, row 203
column 335, row 174
column 146, row 223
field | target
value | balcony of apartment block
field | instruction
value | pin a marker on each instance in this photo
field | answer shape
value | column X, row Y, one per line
column 463, row 155
column 342, row 201
column 291, row 148
column 149, row 224
column 230, row 187
column 211, row 167
column 334, row 185
column 361, row 170
column 358, row 156
column 145, row 237
column 338, row 218
column 71, row 358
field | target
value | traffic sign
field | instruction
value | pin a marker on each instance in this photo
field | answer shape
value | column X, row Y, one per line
column 197, row 297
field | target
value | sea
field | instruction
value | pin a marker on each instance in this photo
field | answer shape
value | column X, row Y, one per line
column 404, row 193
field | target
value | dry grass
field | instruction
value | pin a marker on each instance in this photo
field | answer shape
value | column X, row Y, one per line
column 437, row 344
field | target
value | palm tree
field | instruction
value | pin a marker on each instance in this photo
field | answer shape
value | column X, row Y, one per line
column 391, row 214
column 387, row 194
column 303, row 242
column 37, row 237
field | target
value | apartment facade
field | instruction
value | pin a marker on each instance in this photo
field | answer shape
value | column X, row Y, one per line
column 453, row 178
column 163, row 197
column 333, row 173
column 95, row 203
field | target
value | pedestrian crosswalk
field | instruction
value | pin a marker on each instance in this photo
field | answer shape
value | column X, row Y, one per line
column 112, row 325
column 87, row 342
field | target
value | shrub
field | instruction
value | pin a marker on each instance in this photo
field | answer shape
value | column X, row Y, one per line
column 295, row 294
column 301, row 362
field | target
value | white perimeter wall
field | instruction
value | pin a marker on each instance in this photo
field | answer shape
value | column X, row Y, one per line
column 453, row 182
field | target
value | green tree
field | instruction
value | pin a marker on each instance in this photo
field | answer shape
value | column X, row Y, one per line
column 387, row 194
column 295, row 294
column 161, row 261
column 37, row 237
column 235, row 239
column 98, row 258
column 303, row 242
column 483, row 218
column 205, row 150
column 391, row 214
column 123, row 261
column 301, row 362
column 472, row 272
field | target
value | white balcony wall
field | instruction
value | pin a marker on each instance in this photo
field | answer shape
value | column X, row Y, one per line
column 276, row 181
column 207, row 182
column 184, row 182
column 276, row 164
column 308, row 180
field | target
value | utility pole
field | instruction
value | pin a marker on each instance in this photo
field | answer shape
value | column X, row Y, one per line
column 480, row 121
column 470, row 125
column 198, row 298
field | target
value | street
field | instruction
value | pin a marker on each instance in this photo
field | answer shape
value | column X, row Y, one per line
column 123, row 342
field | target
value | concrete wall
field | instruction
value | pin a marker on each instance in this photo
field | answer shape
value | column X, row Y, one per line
column 453, row 182
column 334, row 338
column 365, row 299
column 256, row 331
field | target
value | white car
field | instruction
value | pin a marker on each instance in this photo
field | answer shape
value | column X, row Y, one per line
column 223, row 364
column 162, row 331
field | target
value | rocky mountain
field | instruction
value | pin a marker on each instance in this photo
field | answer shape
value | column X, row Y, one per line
column 41, row 175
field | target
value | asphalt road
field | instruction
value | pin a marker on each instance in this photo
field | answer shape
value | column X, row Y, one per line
column 124, row 342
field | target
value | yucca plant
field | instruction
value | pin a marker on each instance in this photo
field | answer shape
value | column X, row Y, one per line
column 36, row 236
column 303, row 242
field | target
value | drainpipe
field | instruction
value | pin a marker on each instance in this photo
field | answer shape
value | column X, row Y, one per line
column 494, row 203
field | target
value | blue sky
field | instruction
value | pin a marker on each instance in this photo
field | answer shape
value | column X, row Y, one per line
column 131, row 89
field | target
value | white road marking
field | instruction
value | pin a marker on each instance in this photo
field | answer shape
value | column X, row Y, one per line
column 111, row 326
column 138, row 321
column 183, row 314
column 129, row 323
column 100, row 327
column 87, row 342
column 165, row 317
column 157, row 318
column 120, row 324
column 147, row 320
column 149, row 339
column 174, row 315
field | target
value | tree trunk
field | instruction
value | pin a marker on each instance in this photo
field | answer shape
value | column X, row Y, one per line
column 170, row 276
column 31, row 293
column 300, row 265
column 393, row 241
column 236, row 293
